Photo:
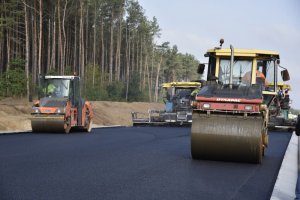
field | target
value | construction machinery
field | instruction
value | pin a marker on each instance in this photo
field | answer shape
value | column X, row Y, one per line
column 178, row 109
column 280, row 115
column 60, row 106
column 231, row 110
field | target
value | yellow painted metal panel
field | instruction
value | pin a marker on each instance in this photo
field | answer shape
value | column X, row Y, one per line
column 253, row 78
column 269, row 93
column 283, row 86
column 181, row 84
column 243, row 52
column 217, row 67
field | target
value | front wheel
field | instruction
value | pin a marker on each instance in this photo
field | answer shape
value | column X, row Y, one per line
column 88, row 122
column 261, row 152
column 67, row 125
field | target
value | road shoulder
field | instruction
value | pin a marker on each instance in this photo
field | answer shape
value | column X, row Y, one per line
column 286, row 182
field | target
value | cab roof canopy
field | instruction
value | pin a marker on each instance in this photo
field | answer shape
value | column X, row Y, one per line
column 243, row 52
column 181, row 84
column 60, row 77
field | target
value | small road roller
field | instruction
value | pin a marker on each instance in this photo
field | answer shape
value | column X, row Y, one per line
column 60, row 106
column 231, row 110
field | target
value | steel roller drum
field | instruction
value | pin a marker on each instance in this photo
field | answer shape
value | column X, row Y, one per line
column 47, row 124
column 226, row 137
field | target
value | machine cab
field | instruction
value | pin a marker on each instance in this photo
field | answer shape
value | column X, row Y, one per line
column 249, row 68
column 60, row 87
column 179, row 95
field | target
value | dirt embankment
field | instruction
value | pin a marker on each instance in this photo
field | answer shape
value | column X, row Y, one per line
column 119, row 113
column 15, row 113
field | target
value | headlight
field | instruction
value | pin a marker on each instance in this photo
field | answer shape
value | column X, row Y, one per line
column 206, row 106
column 248, row 108
column 36, row 110
column 60, row 110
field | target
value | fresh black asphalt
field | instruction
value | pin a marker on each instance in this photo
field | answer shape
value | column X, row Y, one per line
column 128, row 163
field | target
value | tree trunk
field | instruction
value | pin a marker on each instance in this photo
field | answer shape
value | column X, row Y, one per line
column 152, row 70
column 49, row 46
column 60, row 49
column 118, row 51
column 63, row 60
column 94, row 46
column 53, row 56
column 149, row 83
column 131, row 55
column 127, row 60
column 40, row 38
column 8, row 49
column 75, row 67
column 34, row 48
column 81, row 41
column 144, row 74
column 141, row 66
column 68, row 54
column 157, row 79
column 86, row 36
column 7, row 36
column 2, row 44
column 27, row 49
column 102, row 51
column 137, row 57
column 111, row 46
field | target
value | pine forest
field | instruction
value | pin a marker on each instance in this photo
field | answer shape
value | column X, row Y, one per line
column 111, row 44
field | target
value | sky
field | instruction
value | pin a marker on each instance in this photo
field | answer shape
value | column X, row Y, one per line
column 197, row 25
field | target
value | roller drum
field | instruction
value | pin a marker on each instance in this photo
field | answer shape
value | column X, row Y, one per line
column 48, row 124
column 227, row 137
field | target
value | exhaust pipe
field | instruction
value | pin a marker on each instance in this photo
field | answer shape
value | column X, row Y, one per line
column 231, row 66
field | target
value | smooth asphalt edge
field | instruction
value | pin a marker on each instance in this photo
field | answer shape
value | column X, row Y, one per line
column 285, row 186
column 29, row 131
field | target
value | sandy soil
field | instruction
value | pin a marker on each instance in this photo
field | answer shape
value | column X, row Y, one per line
column 15, row 113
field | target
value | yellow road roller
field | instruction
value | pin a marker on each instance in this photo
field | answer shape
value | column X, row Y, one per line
column 230, row 112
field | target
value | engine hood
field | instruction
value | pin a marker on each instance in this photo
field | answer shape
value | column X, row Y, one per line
column 53, row 102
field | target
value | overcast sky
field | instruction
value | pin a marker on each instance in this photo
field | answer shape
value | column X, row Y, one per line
column 197, row 25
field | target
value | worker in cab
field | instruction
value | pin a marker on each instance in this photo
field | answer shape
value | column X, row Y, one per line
column 195, row 92
column 51, row 89
column 260, row 78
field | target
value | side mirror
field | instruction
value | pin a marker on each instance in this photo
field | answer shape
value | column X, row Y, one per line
column 285, row 75
column 278, row 61
column 201, row 68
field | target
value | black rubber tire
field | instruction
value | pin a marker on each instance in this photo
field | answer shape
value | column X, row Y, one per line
column 297, row 129
column 88, row 122
column 68, row 125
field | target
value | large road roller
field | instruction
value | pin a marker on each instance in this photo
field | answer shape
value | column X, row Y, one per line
column 231, row 110
column 60, row 106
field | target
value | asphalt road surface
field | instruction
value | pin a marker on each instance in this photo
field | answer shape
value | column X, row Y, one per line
column 128, row 163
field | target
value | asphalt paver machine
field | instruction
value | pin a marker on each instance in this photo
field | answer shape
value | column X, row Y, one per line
column 178, row 109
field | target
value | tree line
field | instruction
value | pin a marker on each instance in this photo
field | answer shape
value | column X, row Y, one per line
column 111, row 44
